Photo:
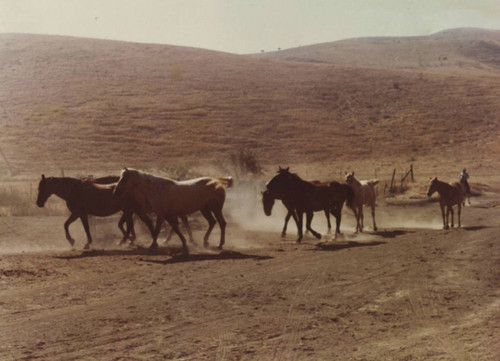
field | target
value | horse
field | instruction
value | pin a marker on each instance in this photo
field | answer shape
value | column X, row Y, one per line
column 134, row 207
column 364, row 193
column 300, row 196
column 449, row 195
column 86, row 197
column 268, row 205
column 170, row 199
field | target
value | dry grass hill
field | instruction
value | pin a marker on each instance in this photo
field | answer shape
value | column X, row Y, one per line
column 91, row 105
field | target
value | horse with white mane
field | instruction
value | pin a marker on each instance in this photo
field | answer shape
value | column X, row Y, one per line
column 364, row 193
column 170, row 199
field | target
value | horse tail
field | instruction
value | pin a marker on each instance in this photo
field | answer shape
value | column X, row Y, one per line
column 226, row 181
column 373, row 182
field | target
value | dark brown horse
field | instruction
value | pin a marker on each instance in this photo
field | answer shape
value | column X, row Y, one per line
column 300, row 196
column 449, row 195
column 91, row 197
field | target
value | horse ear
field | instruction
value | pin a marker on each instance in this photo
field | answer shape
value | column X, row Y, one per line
column 43, row 176
column 280, row 169
column 287, row 169
column 125, row 168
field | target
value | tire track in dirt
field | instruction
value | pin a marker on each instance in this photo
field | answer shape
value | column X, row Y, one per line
column 418, row 295
column 291, row 325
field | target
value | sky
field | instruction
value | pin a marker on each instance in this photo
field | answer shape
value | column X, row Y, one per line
column 243, row 26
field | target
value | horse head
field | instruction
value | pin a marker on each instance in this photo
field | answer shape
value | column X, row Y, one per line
column 125, row 182
column 432, row 187
column 349, row 178
column 267, row 202
column 44, row 191
column 280, row 180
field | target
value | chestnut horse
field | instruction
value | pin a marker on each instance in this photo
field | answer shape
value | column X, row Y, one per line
column 449, row 195
column 364, row 193
column 170, row 199
column 300, row 196
column 88, row 197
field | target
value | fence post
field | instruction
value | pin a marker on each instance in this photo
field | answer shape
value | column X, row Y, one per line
column 392, row 181
column 411, row 172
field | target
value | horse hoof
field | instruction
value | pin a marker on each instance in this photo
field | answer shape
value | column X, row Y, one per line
column 318, row 236
column 283, row 235
column 87, row 246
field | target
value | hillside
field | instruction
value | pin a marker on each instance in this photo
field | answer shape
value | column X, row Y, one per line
column 455, row 50
column 89, row 105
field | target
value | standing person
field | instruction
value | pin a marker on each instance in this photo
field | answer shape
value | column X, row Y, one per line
column 464, row 176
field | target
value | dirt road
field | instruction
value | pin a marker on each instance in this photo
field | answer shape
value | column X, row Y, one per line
column 408, row 292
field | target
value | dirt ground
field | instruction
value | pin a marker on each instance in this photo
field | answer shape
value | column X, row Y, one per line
column 410, row 291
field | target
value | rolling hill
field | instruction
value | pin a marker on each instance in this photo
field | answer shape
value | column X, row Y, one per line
column 455, row 50
column 86, row 104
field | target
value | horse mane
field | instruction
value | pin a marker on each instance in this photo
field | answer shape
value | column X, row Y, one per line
column 221, row 182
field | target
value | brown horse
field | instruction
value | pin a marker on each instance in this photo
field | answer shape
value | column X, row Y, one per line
column 269, row 202
column 449, row 195
column 300, row 196
column 88, row 197
column 364, row 193
column 170, row 199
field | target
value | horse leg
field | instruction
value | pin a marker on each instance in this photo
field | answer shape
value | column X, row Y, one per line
column 287, row 218
column 299, row 221
column 156, row 231
column 222, row 225
column 362, row 218
column 174, row 222
column 130, row 227
column 85, row 222
column 147, row 221
column 207, row 213
column 452, row 216
column 445, row 218
column 373, row 217
column 186, row 224
column 170, row 233
column 70, row 220
column 337, row 213
column 309, row 217
column 459, row 210
column 126, row 218
column 327, row 215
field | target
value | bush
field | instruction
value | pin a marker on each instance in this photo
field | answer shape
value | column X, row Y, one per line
column 244, row 163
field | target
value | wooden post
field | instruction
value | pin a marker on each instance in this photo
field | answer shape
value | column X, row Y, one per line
column 411, row 172
column 392, row 180
column 7, row 162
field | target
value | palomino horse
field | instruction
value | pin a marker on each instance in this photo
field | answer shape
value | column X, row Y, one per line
column 364, row 193
column 170, row 199
column 449, row 195
column 84, row 198
column 300, row 196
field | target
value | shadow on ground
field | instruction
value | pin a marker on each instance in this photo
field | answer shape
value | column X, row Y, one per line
column 223, row 255
column 349, row 244
column 175, row 253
